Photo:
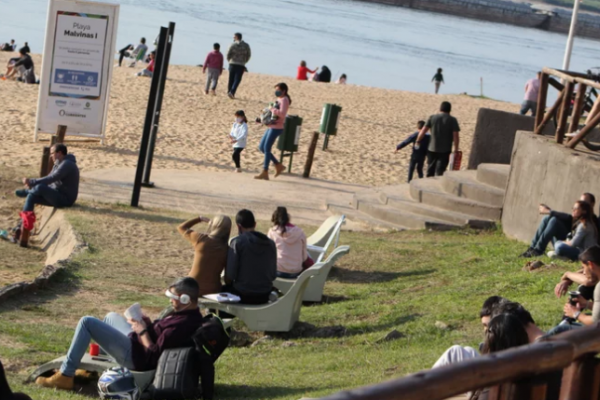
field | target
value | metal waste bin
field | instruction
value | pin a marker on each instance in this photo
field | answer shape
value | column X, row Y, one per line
column 329, row 121
column 290, row 138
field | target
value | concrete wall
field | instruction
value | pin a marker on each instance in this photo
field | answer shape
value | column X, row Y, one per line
column 545, row 172
column 495, row 135
column 506, row 12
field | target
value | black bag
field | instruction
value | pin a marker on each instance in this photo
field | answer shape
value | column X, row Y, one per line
column 177, row 375
column 211, row 338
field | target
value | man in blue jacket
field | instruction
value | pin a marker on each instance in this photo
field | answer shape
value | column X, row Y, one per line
column 417, row 159
column 58, row 189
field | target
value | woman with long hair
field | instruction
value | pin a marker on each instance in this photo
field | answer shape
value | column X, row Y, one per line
column 584, row 233
column 210, row 251
column 279, row 110
column 290, row 241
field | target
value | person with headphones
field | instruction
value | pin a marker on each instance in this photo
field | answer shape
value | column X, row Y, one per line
column 134, row 344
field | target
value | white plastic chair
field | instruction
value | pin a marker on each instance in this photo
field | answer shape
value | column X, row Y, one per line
column 318, row 243
column 277, row 316
column 314, row 291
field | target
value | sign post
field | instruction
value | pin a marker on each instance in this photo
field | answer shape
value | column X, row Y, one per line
column 77, row 67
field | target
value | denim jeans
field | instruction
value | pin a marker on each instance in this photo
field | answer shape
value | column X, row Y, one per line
column 285, row 275
column 266, row 143
column 550, row 229
column 235, row 77
column 528, row 105
column 212, row 77
column 418, row 164
column 563, row 327
column 564, row 250
column 110, row 334
column 46, row 196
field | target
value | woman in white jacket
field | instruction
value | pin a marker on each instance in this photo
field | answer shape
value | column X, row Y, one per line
column 290, row 241
column 238, row 137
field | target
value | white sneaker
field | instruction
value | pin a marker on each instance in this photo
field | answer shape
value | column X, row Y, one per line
column 552, row 254
column 239, row 170
column 572, row 134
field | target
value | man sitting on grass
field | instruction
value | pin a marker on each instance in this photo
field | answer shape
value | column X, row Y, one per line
column 60, row 188
column 590, row 262
column 251, row 263
column 136, row 345
column 554, row 226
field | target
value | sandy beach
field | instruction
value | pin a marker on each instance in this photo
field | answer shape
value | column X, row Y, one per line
column 194, row 127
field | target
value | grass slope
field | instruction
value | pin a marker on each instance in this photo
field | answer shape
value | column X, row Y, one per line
column 405, row 281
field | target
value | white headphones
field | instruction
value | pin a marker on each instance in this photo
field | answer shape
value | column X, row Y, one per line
column 183, row 299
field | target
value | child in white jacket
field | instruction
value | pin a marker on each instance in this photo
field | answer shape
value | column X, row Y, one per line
column 238, row 137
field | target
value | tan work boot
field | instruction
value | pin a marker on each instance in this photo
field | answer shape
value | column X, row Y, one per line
column 82, row 373
column 279, row 168
column 56, row 381
column 263, row 175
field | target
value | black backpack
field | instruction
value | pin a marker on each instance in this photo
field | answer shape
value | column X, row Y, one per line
column 177, row 375
column 212, row 338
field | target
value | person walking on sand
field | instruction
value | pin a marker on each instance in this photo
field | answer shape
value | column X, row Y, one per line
column 214, row 64
column 280, row 110
column 532, row 88
column 303, row 71
column 417, row 158
column 238, row 137
column 238, row 56
column 438, row 79
column 444, row 134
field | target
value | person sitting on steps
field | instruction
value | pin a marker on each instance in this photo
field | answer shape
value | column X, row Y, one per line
column 251, row 262
column 136, row 345
column 554, row 226
column 584, row 233
column 60, row 188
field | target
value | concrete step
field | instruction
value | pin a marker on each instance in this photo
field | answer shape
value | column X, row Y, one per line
column 399, row 197
column 465, row 184
column 430, row 191
column 494, row 175
column 403, row 217
column 363, row 220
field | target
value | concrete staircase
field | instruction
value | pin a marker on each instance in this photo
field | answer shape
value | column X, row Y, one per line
column 470, row 198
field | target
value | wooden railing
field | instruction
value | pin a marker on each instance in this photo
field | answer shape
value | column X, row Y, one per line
column 573, row 82
column 509, row 375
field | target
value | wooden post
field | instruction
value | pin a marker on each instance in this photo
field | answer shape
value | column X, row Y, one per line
column 45, row 160
column 60, row 133
column 541, row 104
column 583, row 132
column 551, row 112
column 578, row 109
column 311, row 155
column 564, row 113
column 580, row 379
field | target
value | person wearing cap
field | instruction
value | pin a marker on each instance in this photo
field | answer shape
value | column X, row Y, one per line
column 134, row 344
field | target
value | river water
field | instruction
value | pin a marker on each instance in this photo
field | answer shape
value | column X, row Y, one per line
column 375, row 45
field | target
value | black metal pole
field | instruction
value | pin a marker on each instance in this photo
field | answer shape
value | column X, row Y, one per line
column 159, row 98
column 137, row 184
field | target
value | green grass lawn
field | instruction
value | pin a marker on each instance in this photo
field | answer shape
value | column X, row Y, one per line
column 406, row 281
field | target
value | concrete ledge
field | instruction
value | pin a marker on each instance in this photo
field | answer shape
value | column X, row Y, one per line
column 543, row 171
column 54, row 235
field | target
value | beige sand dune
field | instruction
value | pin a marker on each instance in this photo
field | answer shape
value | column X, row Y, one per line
column 194, row 127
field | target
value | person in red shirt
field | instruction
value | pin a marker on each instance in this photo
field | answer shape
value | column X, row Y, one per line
column 303, row 71
column 214, row 63
column 149, row 71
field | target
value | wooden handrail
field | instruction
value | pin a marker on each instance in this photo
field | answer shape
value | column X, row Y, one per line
column 564, row 351
column 572, row 77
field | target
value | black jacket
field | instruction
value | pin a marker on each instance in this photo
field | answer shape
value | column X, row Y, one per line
column 252, row 263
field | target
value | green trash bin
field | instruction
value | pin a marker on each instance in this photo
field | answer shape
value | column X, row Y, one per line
column 329, row 121
column 290, row 138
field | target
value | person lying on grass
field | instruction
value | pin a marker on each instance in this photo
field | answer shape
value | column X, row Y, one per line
column 134, row 344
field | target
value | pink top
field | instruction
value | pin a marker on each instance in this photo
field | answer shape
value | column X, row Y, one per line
column 150, row 66
column 214, row 59
column 532, row 88
column 291, row 248
column 284, row 105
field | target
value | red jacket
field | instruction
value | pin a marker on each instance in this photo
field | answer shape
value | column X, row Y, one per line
column 214, row 59
column 171, row 332
column 302, row 73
